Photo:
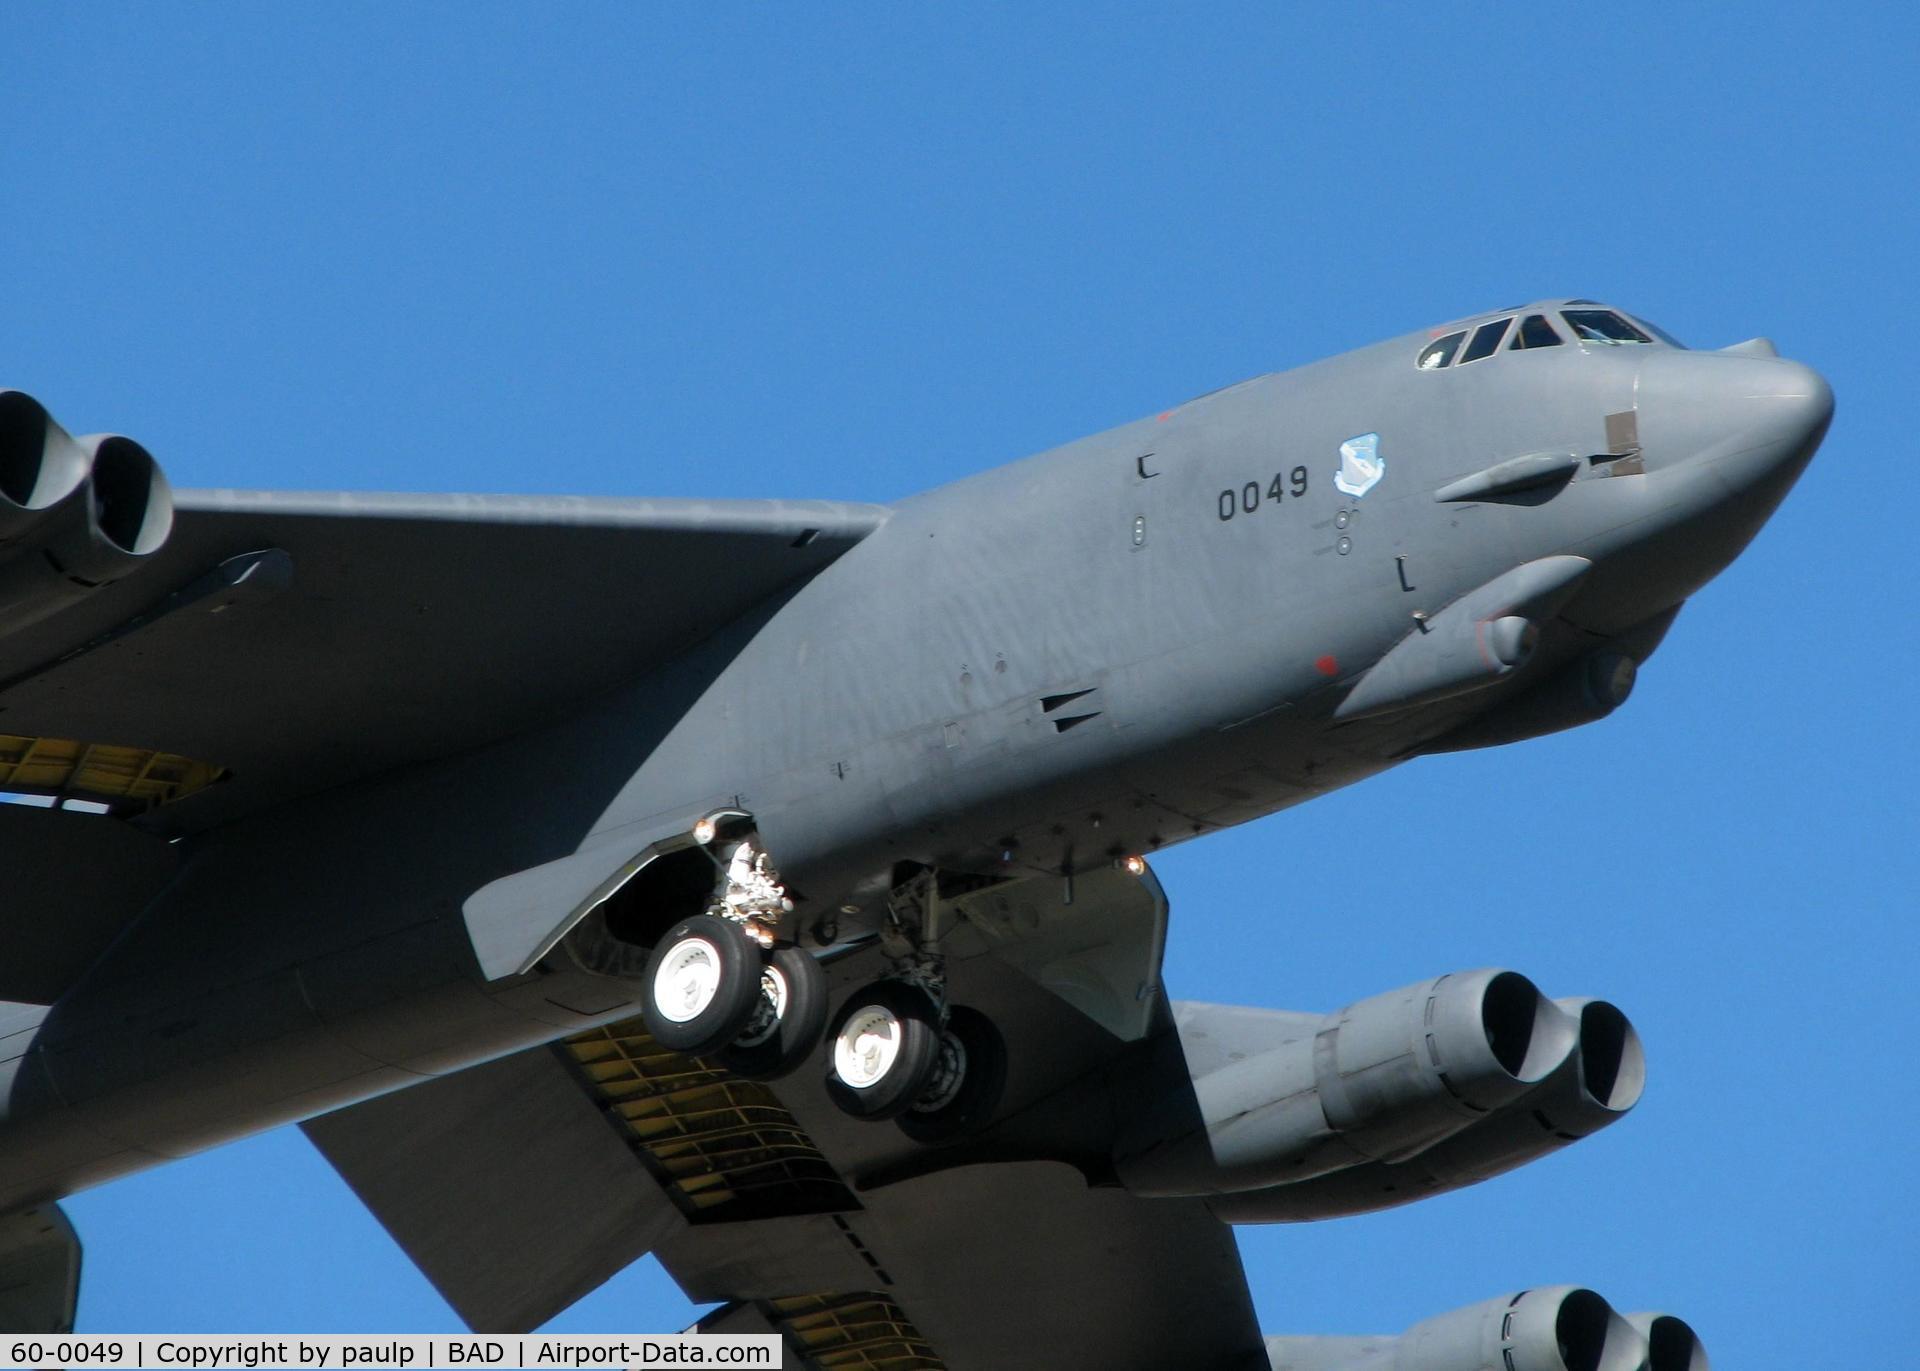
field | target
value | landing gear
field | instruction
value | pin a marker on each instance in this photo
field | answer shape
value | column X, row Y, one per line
column 891, row 1058
column 718, row 985
column 722, row 985
column 963, row 1089
column 703, row 984
column 899, row 1050
column 885, row 1044
column 752, row 894
column 786, row 1021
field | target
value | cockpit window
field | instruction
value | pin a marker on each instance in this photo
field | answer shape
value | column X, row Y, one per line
column 1602, row 326
column 1660, row 333
column 1440, row 351
column 1534, row 332
column 1592, row 324
column 1486, row 338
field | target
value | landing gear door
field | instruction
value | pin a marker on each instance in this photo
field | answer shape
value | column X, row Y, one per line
column 1099, row 951
column 516, row 920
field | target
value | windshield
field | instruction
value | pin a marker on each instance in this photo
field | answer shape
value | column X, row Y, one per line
column 1534, row 332
column 1602, row 326
column 1585, row 321
column 1486, row 339
column 1660, row 333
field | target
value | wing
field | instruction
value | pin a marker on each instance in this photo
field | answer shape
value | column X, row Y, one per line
column 505, row 1183
column 862, row 1248
column 285, row 643
column 1014, row 1266
column 73, row 882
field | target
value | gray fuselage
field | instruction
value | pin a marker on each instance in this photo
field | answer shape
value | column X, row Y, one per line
column 1097, row 651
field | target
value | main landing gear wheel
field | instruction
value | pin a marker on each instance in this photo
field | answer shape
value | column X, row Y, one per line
column 787, row 1018
column 885, row 1044
column 963, row 1090
column 703, row 984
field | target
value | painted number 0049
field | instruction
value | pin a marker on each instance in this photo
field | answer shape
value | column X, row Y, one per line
column 1247, row 499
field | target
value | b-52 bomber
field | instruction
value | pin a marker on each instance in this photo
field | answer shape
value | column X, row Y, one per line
column 764, row 884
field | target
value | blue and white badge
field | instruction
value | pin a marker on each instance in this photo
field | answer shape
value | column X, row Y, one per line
column 1361, row 465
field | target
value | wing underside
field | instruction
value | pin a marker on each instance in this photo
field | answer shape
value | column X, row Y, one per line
column 979, row 1268
column 799, row 1220
column 280, row 644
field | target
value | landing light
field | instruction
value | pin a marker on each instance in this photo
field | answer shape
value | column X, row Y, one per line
column 703, row 832
column 1134, row 866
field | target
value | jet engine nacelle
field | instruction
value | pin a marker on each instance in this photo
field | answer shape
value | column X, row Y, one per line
column 1555, row 1328
column 1597, row 1083
column 40, row 463
column 75, row 513
column 1379, row 1081
column 1672, row 1344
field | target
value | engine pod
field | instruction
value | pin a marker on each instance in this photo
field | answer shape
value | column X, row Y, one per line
column 1553, row 1328
column 40, row 463
column 1380, row 1080
column 1597, row 1083
column 1672, row 1345
column 1557, row 1328
column 1399, row 1071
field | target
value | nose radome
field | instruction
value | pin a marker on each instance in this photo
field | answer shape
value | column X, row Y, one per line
column 1712, row 407
column 1774, row 400
column 1722, row 438
column 1805, row 398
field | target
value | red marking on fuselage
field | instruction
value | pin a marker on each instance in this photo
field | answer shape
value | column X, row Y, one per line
column 1163, row 416
column 1326, row 665
column 1480, row 646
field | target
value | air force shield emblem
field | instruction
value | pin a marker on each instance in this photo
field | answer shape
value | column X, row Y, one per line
column 1361, row 465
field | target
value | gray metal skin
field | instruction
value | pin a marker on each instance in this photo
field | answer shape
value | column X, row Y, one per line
column 895, row 708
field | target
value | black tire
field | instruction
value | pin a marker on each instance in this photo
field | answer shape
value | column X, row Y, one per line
column 737, row 959
column 787, row 1043
column 973, row 1046
column 916, row 1022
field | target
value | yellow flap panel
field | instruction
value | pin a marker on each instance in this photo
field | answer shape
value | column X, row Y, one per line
column 127, row 778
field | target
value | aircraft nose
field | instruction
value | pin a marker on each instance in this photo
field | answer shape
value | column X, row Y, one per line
column 1753, row 420
column 1792, row 404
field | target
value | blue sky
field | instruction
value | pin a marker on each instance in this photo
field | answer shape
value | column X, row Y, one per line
column 856, row 252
